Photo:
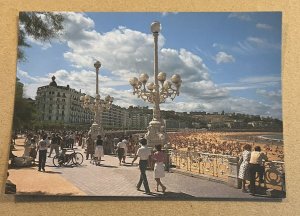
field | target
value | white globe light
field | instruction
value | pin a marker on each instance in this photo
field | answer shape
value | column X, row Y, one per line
column 176, row 78
column 150, row 86
column 144, row 77
column 97, row 64
column 162, row 76
column 167, row 84
column 155, row 27
column 133, row 81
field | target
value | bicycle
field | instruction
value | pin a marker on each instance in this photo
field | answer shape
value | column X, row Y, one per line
column 64, row 158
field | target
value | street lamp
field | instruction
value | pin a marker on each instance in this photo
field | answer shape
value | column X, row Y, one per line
column 97, row 106
column 156, row 93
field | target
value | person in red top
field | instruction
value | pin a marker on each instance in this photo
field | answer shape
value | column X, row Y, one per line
column 159, row 167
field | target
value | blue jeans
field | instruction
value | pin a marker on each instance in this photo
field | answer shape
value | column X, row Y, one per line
column 143, row 177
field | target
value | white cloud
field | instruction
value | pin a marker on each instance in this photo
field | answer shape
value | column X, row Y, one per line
column 263, row 26
column 261, row 79
column 223, row 57
column 273, row 95
column 167, row 13
column 240, row 16
column 251, row 45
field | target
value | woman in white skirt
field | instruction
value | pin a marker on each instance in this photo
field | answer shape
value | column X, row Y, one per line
column 159, row 167
column 98, row 150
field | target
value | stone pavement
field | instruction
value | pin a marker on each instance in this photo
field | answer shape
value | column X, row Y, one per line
column 111, row 180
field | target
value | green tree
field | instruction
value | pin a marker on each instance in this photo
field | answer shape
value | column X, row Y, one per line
column 24, row 111
column 42, row 26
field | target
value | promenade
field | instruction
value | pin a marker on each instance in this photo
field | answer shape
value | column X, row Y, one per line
column 112, row 180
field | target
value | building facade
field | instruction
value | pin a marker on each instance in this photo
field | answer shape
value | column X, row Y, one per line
column 61, row 104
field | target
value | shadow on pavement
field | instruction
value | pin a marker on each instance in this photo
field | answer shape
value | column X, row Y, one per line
column 52, row 172
column 40, row 193
column 108, row 166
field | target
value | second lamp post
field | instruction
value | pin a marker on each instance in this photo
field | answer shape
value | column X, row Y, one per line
column 97, row 106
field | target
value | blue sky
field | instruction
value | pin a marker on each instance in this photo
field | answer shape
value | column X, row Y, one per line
column 227, row 61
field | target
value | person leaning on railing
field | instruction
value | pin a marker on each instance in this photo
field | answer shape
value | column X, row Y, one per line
column 256, row 166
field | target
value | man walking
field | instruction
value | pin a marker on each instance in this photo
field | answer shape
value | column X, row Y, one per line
column 42, row 149
column 143, row 152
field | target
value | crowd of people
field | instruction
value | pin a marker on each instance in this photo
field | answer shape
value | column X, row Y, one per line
column 250, row 163
column 44, row 143
column 219, row 143
column 56, row 141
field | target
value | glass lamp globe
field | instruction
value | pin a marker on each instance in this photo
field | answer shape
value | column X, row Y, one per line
column 133, row 81
column 155, row 27
column 144, row 78
column 97, row 64
column 176, row 78
column 167, row 84
column 162, row 76
column 150, row 86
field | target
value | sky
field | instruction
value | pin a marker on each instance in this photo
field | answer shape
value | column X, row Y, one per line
column 227, row 61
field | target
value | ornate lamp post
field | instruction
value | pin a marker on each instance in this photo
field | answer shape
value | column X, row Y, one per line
column 97, row 106
column 156, row 93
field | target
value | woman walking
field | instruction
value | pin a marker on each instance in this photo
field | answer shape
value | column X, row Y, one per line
column 244, row 166
column 99, row 150
column 121, row 146
column 159, row 167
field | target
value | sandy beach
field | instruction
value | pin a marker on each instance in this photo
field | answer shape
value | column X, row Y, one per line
column 229, row 143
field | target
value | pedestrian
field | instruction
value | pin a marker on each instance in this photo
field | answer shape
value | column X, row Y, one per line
column 244, row 166
column 71, row 140
column 99, row 152
column 256, row 166
column 125, row 141
column 121, row 150
column 54, row 144
column 90, row 149
column 27, row 145
column 159, row 167
column 42, row 149
column 143, row 152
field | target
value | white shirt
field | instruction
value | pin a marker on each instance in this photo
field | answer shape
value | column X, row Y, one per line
column 42, row 145
column 121, row 145
column 143, row 152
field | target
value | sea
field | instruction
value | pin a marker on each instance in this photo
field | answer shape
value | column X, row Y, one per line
column 276, row 137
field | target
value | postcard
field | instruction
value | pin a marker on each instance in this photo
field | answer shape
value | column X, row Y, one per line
column 175, row 105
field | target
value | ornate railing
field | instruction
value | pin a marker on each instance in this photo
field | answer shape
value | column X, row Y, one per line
column 223, row 167
column 274, row 176
column 215, row 165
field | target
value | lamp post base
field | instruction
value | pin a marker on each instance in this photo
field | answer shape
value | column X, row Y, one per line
column 154, row 135
column 96, row 130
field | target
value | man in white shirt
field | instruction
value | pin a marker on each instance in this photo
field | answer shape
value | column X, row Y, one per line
column 143, row 152
column 42, row 149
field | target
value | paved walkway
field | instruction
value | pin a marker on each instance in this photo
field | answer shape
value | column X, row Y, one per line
column 110, row 180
